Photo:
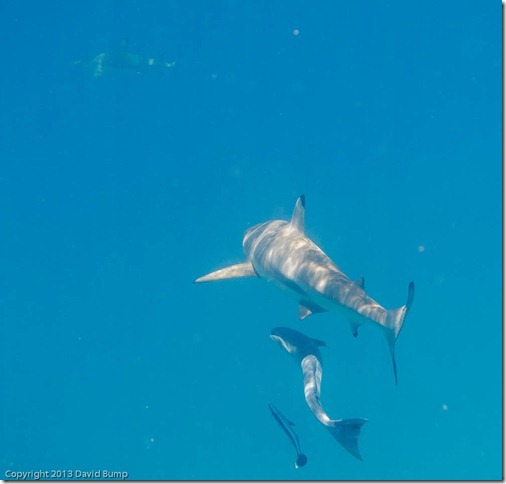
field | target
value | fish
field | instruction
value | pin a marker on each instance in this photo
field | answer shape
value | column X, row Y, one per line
column 287, row 426
column 280, row 252
column 123, row 59
column 305, row 351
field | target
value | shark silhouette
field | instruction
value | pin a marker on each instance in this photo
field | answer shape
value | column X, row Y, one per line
column 306, row 352
column 280, row 252
column 123, row 59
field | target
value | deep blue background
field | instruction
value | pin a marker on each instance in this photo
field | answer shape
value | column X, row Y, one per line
column 116, row 193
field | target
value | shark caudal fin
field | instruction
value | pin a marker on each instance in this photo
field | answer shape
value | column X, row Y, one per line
column 245, row 269
column 347, row 432
column 395, row 320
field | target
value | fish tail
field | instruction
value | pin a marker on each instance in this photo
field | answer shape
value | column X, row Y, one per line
column 395, row 321
column 347, row 432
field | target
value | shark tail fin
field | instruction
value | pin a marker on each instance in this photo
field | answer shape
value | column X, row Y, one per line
column 245, row 269
column 347, row 432
column 394, row 322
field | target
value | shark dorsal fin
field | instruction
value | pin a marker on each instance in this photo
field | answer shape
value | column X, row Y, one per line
column 360, row 283
column 298, row 214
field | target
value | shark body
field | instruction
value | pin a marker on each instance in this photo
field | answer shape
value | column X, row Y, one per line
column 287, row 426
column 122, row 59
column 306, row 352
column 280, row 252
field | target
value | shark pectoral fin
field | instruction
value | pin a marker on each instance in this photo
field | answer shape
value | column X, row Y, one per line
column 306, row 309
column 354, row 327
column 319, row 342
column 347, row 432
column 298, row 214
column 245, row 269
column 304, row 312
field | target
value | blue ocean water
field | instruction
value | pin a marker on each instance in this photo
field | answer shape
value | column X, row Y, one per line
column 117, row 192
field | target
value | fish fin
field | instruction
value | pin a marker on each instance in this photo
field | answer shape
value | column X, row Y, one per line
column 245, row 269
column 354, row 327
column 360, row 283
column 298, row 214
column 306, row 309
column 347, row 432
column 395, row 321
column 99, row 72
column 304, row 312
column 319, row 342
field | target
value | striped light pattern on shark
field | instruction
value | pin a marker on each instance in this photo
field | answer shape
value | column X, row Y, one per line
column 106, row 61
column 280, row 252
column 305, row 350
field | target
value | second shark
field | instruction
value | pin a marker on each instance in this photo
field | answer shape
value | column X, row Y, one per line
column 306, row 351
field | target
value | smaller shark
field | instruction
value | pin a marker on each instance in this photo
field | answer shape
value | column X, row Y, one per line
column 122, row 59
column 306, row 351
column 287, row 425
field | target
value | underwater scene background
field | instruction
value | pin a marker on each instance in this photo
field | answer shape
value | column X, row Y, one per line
column 119, row 189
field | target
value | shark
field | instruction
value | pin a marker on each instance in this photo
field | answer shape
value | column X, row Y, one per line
column 287, row 426
column 123, row 59
column 280, row 252
column 305, row 351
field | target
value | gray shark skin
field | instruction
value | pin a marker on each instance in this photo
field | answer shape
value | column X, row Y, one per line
column 107, row 61
column 280, row 252
column 305, row 351
column 287, row 426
